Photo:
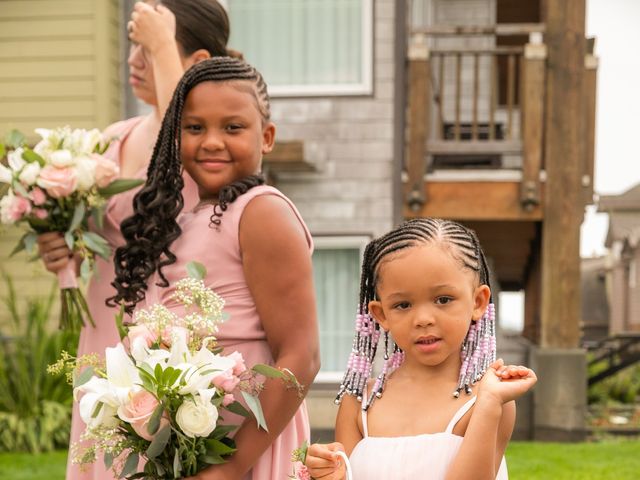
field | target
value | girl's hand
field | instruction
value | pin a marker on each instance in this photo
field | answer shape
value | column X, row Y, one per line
column 323, row 463
column 152, row 28
column 506, row 382
column 54, row 251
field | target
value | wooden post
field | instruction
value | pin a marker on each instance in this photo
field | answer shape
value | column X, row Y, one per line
column 564, row 150
column 590, row 86
column 419, row 115
column 532, row 105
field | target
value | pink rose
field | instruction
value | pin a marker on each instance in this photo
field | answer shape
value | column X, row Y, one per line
column 18, row 208
column 171, row 334
column 58, row 182
column 38, row 196
column 239, row 367
column 137, row 412
column 106, row 170
column 301, row 471
column 226, row 380
column 40, row 213
column 141, row 333
column 228, row 399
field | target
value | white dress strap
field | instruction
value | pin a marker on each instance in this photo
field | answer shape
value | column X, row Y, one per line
column 363, row 413
column 459, row 414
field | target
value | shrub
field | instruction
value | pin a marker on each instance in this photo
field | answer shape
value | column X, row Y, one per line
column 35, row 407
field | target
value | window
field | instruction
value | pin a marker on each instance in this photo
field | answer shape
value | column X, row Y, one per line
column 336, row 270
column 306, row 47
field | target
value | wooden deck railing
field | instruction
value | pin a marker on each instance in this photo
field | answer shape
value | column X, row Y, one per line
column 456, row 105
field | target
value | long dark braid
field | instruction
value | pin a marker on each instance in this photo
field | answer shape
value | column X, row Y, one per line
column 152, row 228
column 466, row 249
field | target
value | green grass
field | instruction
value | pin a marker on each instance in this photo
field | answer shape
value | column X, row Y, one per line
column 29, row 466
column 619, row 460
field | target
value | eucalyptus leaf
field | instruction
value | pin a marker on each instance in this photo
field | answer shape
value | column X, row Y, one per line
column 238, row 409
column 177, row 464
column 254, row 405
column 196, row 270
column 32, row 157
column 120, row 185
column 216, row 447
column 85, row 270
column 98, row 217
column 78, row 216
column 14, row 139
column 130, row 465
column 30, row 240
column 108, row 460
column 84, row 377
column 154, row 421
column 97, row 244
column 159, row 442
column 268, row 371
column 69, row 240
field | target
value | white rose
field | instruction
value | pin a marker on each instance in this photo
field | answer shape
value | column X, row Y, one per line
column 16, row 162
column 5, row 174
column 30, row 173
column 85, row 171
column 61, row 158
column 197, row 417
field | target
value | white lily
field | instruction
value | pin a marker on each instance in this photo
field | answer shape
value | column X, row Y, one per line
column 29, row 173
column 122, row 374
column 99, row 404
column 15, row 160
column 5, row 174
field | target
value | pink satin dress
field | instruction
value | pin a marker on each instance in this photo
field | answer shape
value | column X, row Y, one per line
column 219, row 251
column 105, row 334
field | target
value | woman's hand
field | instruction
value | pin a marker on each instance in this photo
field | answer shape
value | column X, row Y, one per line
column 323, row 463
column 54, row 251
column 506, row 382
column 153, row 28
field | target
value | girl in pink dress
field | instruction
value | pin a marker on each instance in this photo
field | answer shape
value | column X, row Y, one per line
column 251, row 239
column 426, row 285
column 166, row 39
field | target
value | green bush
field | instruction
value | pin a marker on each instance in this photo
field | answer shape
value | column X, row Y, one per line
column 35, row 407
column 623, row 387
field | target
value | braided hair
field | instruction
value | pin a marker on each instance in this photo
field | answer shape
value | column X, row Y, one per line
column 478, row 350
column 152, row 228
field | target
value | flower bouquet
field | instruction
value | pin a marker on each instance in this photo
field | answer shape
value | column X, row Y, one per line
column 162, row 392
column 57, row 186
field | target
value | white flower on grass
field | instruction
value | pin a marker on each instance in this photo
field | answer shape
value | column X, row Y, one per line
column 30, row 173
column 198, row 417
column 15, row 160
column 85, row 172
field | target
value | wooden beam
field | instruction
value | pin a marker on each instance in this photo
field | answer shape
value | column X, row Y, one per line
column 590, row 93
column 503, row 29
column 564, row 150
column 463, row 147
column 288, row 156
column 475, row 201
column 532, row 99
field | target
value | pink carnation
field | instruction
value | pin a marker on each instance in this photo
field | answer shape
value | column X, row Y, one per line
column 239, row 367
column 226, row 380
column 228, row 399
column 301, row 471
column 141, row 332
column 58, row 182
column 19, row 207
column 38, row 196
column 106, row 170
column 40, row 213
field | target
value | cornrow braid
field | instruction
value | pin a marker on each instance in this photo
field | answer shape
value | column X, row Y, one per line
column 478, row 349
column 152, row 228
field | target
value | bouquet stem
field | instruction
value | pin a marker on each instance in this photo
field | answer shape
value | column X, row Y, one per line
column 73, row 306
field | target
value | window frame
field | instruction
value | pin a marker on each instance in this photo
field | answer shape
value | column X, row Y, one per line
column 365, row 88
column 339, row 242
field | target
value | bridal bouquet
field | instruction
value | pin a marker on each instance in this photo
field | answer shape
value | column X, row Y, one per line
column 57, row 186
column 161, row 393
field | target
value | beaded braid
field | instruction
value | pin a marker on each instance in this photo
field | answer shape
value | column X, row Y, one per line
column 478, row 350
column 152, row 228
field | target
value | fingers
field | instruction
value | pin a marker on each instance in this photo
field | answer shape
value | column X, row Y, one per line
column 54, row 251
column 514, row 371
column 323, row 463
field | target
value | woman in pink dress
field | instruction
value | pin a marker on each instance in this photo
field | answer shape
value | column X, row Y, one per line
column 166, row 39
column 251, row 239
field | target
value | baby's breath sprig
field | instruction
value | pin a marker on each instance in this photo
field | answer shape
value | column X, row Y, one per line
column 300, row 453
column 70, row 365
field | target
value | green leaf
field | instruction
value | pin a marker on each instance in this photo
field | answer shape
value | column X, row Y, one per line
column 85, row 270
column 216, row 447
column 98, row 217
column 14, row 139
column 159, row 442
column 3, row 150
column 268, row 371
column 212, row 459
column 84, row 377
column 31, row 157
column 108, row 460
column 97, row 244
column 120, row 185
column 177, row 464
column 119, row 322
column 238, row 409
column 254, row 405
column 154, row 421
column 69, row 240
column 222, row 431
column 30, row 240
column 78, row 216
column 196, row 270
column 130, row 466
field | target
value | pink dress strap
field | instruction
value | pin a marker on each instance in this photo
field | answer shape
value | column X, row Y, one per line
column 460, row 413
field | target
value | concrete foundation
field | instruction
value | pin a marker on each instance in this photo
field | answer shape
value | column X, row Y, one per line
column 560, row 396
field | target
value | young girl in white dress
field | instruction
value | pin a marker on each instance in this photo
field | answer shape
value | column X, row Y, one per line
column 425, row 297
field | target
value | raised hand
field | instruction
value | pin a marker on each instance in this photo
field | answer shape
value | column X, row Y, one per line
column 323, row 463
column 152, row 27
column 506, row 382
